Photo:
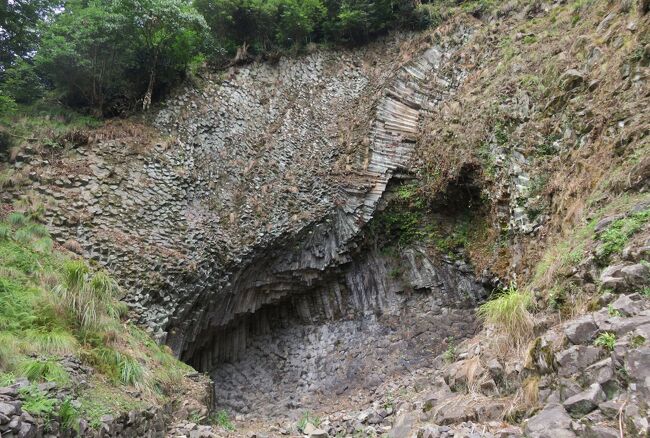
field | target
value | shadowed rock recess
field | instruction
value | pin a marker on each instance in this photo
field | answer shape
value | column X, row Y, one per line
column 239, row 236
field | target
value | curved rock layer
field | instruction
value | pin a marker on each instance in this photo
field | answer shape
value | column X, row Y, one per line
column 384, row 315
column 314, row 256
column 257, row 191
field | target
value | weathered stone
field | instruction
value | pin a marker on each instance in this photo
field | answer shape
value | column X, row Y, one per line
column 628, row 305
column 404, row 426
column 582, row 330
column 571, row 79
column 576, row 358
column 601, row 432
column 552, row 422
column 8, row 409
column 625, row 276
column 586, row 401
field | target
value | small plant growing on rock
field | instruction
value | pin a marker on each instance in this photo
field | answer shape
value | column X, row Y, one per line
column 36, row 402
column 606, row 340
column 69, row 415
column 637, row 341
column 307, row 418
column 450, row 354
column 222, row 420
column 646, row 292
column 611, row 311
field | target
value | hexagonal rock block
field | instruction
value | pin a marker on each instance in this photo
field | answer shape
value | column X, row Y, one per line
column 552, row 422
column 628, row 305
column 576, row 358
column 586, row 401
column 625, row 276
column 582, row 330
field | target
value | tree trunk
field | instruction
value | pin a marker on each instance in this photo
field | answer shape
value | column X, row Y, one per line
column 146, row 103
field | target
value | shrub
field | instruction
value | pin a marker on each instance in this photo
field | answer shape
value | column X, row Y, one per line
column 510, row 313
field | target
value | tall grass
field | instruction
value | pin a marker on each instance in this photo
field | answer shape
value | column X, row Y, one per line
column 51, row 306
column 89, row 297
column 510, row 314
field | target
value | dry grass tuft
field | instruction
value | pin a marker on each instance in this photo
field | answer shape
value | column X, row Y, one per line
column 510, row 315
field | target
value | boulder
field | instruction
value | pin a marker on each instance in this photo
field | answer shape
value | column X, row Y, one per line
column 601, row 432
column 628, row 305
column 638, row 366
column 585, row 401
column 455, row 411
column 576, row 358
column 582, row 330
column 624, row 277
column 404, row 425
column 552, row 422
column 8, row 409
column 611, row 408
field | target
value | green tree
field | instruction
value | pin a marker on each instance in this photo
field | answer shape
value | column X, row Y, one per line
column 19, row 22
column 168, row 32
column 101, row 52
column 85, row 53
column 297, row 20
column 21, row 82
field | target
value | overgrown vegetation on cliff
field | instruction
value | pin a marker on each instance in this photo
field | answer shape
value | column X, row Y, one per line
column 113, row 57
column 55, row 312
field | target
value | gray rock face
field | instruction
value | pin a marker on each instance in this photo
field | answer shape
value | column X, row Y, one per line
column 260, row 193
column 581, row 330
column 625, row 277
column 348, row 336
column 552, row 422
column 583, row 403
column 576, row 358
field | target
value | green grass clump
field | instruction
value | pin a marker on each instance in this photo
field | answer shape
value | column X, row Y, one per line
column 306, row 418
column 510, row 313
column 616, row 236
column 53, row 306
column 44, row 369
column 606, row 340
column 222, row 419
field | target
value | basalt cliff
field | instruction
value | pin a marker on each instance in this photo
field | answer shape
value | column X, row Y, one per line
column 317, row 233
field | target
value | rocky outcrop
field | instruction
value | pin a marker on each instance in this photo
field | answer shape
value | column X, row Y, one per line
column 261, row 190
column 18, row 423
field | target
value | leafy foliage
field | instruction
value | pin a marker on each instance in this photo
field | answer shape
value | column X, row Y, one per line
column 36, row 402
column 273, row 24
column 606, row 340
column 100, row 53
